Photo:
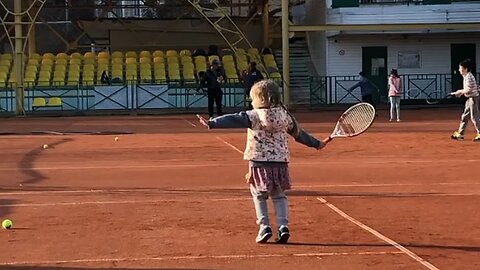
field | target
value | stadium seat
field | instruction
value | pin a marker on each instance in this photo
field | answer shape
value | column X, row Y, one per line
column 146, row 60
column 32, row 62
column 158, row 53
column 48, row 56
column 117, row 54
column 158, row 59
column 201, row 67
column 145, row 54
column 185, row 52
column 77, row 61
column 227, row 58
column 87, row 61
column 76, row 55
column 172, row 53
column 61, row 56
column 186, row 59
column 213, row 57
column 55, row 102
column 38, row 102
column 131, row 54
column 172, row 60
column 89, row 55
column 28, row 68
column 61, row 61
column 145, row 75
column 103, row 61
column 105, row 55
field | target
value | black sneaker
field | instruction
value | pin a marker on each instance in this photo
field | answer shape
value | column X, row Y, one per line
column 283, row 235
column 264, row 234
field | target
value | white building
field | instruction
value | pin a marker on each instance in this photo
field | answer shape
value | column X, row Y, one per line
column 427, row 59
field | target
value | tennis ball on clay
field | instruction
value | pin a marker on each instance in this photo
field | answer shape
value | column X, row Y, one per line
column 116, row 139
column 45, row 146
column 7, row 224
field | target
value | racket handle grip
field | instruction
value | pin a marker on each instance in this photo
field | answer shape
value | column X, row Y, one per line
column 327, row 140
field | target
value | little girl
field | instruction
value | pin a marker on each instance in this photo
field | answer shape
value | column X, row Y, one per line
column 395, row 86
column 269, row 124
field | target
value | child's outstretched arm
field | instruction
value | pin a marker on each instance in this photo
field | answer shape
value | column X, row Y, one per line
column 303, row 137
column 234, row 120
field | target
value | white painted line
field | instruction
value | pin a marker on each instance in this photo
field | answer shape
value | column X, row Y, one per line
column 190, row 123
column 119, row 202
column 216, row 164
column 212, row 189
column 231, row 145
column 379, row 235
column 202, row 257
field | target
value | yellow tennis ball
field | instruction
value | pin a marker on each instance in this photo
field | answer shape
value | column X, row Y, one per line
column 45, row 146
column 116, row 139
column 7, row 224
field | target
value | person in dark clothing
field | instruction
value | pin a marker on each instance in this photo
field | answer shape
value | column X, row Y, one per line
column 367, row 89
column 105, row 79
column 213, row 79
column 250, row 77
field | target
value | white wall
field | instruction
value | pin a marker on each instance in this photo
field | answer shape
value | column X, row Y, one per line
column 435, row 53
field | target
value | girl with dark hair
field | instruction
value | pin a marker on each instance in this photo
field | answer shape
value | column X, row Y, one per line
column 394, row 92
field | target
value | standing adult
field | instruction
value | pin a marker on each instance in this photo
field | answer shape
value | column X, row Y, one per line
column 367, row 88
column 213, row 79
column 250, row 77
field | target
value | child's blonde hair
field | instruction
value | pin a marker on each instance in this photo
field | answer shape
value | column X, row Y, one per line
column 267, row 92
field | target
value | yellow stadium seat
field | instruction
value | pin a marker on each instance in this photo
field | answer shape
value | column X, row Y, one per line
column 54, row 102
column 252, row 51
column 60, row 68
column 47, row 61
column 103, row 61
column 131, row 60
column 43, row 81
column 276, row 76
column 268, row 57
column 35, row 56
column 131, row 54
column 146, row 75
column 174, row 76
column 117, row 61
column 185, row 52
column 158, row 53
column 145, row 60
column 227, row 58
column 130, row 67
column 61, row 61
column 104, row 55
column 158, row 60
column 117, row 54
column 213, row 57
column 188, row 75
column 74, row 68
column 131, row 75
column 200, row 58
column 33, row 62
column 89, row 55
column 87, row 61
column 44, row 73
column 76, row 55
column 186, row 59
column 38, row 102
column 62, row 56
column 73, row 81
column 3, row 75
column 88, row 67
column 77, row 61
column 48, row 56
column 28, row 68
column 117, row 73
column 172, row 53
column 201, row 67
column 145, row 54
column 172, row 60
column 117, row 67
column 5, row 63
column 160, row 76
column 3, row 82
column 145, row 66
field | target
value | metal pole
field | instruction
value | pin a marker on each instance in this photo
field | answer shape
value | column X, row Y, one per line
column 18, row 60
column 285, row 53
column 266, row 25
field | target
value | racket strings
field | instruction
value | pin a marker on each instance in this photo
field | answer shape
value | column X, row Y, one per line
column 357, row 120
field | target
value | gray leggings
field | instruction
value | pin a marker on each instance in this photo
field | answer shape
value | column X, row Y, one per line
column 394, row 108
column 470, row 112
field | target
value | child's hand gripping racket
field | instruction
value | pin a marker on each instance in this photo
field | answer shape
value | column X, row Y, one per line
column 353, row 122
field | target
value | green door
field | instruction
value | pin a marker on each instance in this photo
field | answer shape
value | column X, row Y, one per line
column 374, row 64
column 458, row 53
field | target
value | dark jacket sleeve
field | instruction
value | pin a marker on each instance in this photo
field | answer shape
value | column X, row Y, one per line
column 306, row 139
column 234, row 120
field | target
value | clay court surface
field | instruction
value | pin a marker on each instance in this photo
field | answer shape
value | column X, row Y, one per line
column 171, row 195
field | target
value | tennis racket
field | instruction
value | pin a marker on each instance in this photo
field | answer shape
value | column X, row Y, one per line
column 436, row 97
column 354, row 121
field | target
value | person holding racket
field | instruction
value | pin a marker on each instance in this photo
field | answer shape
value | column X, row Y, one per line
column 367, row 88
column 269, row 124
column 394, row 93
column 470, row 91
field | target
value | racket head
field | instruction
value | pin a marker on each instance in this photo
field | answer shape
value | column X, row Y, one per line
column 437, row 97
column 354, row 121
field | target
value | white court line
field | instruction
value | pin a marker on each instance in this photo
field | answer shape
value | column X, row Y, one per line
column 379, row 235
column 121, row 202
column 229, row 144
column 190, row 123
column 212, row 189
column 202, row 257
column 245, row 198
column 191, row 165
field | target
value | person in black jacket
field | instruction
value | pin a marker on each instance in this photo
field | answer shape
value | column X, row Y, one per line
column 250, row 77
column 213, row 79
